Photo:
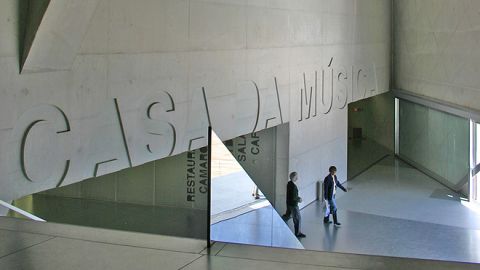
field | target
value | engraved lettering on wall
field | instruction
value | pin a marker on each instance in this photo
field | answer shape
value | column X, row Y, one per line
column 41, row 128
column 163, row 134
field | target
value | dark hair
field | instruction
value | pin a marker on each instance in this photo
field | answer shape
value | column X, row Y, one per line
column 292, row 174
column 332, row 169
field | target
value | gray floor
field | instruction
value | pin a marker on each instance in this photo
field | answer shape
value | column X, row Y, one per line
column 391, row 209
column 378, row 235
column 394, row 189
column 262, row 227
column 30, row 245
column 398, row 211
column 240, row 222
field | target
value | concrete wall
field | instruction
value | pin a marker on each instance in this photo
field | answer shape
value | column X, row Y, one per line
column 281, row 168
column 436, row 55
column 170, row 181
column 436, row 49
column 150, row 76
column 376, row 117
column 179, row 181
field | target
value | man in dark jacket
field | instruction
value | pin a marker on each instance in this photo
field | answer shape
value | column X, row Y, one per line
column 292, row 204
column 330, row 184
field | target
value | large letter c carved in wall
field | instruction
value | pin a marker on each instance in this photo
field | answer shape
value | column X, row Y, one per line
column 56, row 119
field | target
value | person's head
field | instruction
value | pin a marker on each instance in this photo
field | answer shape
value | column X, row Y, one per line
column 293, row 176
column 332, row 170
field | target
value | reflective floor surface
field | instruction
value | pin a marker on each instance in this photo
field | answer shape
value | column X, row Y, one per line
column 31, row 245
column 259, row 227
column 362, row 153
column 391, row 209
column 118, row 216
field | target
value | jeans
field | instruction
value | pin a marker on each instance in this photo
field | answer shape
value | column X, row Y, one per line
column 294, row 212
column 331, row 206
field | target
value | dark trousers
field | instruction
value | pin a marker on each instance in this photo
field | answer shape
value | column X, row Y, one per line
column 294, row 212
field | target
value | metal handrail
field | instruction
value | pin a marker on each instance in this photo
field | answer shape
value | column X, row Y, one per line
column 20, row 211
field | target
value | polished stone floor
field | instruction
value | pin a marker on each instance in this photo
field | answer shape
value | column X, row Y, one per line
column 262, row 227
column 245, row 220
column 391, row 209
column 392, row 188
column 28, row 245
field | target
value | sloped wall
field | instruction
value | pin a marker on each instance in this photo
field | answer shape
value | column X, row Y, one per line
column 152, row 75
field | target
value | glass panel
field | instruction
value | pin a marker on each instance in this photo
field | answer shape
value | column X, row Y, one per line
column 248, row 182
column 477, row 143
column 370, row 132
column 167, row 196
column 436, row 142
column 475, row 180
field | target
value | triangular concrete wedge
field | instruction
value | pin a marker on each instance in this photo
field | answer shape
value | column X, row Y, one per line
column 54, row 30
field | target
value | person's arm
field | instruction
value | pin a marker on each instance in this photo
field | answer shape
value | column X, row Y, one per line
column 325, row 188
column 289, row 192
column 328, row 188
column 340, row 185
column 296, row 198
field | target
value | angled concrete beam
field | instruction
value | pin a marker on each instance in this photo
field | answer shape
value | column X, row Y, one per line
column 34, row 11
column 54, row 31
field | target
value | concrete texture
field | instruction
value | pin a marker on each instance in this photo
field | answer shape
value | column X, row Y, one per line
column 159, row 183
column 54, row 31
column 376, row 117
column 435, row 51
column 150, row 76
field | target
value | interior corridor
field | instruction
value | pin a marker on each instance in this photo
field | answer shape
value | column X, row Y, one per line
column 391, row 209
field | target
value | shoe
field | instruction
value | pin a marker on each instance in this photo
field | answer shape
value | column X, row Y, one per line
column 257, row 197
column 326, row 221
column 301, row 235
column 335, row 220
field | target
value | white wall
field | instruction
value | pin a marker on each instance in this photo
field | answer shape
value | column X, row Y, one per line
column 141, row 68
column 436, row 49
